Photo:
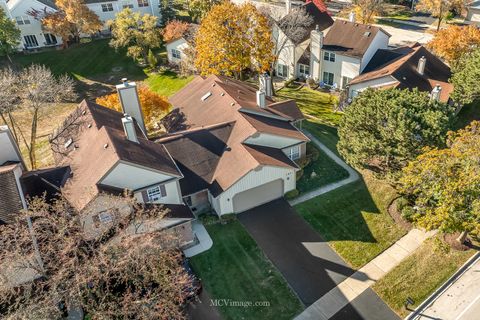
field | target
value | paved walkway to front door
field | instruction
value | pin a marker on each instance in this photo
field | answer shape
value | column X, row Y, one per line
column 347, row 291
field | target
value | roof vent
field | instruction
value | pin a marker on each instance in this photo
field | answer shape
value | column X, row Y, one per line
column 206, row 96
column 213, row 84
column 367, row 34
column 84, row 112
column 222, row 94
column 89, row 125
column 68, row 143
column 105, row 146
column 232, row 104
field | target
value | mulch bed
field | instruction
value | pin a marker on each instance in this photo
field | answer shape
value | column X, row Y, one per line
column 451, row 239
column 397, row 217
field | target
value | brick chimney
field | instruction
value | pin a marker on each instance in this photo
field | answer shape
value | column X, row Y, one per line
column 129, row 128
column 421, row 65
column 127, row 92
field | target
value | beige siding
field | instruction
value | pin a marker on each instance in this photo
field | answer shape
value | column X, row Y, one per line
column 223, row 204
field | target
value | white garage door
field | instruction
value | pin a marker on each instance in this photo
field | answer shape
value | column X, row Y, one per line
column 256, row 196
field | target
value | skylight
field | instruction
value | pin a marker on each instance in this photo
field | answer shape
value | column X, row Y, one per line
column 206, row 96
column 68, row 143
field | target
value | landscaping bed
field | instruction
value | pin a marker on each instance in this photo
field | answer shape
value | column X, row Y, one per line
column 236, row 269
column 320, row 171
column 419, row 275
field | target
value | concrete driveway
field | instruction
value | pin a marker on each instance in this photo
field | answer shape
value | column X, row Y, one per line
column 306, row 261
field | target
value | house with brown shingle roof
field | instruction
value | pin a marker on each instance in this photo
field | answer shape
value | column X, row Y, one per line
column 405, row 68
column 235, row 146
column 345, row 51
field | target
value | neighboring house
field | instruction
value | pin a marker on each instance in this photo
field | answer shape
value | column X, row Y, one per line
column 235, row 147
column 407, row 67
column 473, row 12
column 177, row 48
column 32, row 34
column 294, row 54
column 345, row 51
column 12, row 198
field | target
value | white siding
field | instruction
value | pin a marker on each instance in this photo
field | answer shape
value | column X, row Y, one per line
column 287, row 56
column 270, row 140
column 128, row 176
column 379, row 42
column 223, row 204
column 180, row 45
column 9, row 151
column 343, row 66
column 354, row 89
column 19, row 8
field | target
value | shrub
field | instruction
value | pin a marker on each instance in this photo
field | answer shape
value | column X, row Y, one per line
column 291, row 194
column 401, row 203
column 299, row 174
column 312, row 152
column 152, row 60
column 408, row 213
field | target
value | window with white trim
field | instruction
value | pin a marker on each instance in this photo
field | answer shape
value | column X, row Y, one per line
column 304, row 70
column 176, row 54
column 30, row 41
column 329, row 56
column 142, row 3
column 106, row 7
column 156, row 193
column 345, row 81
column 282, row 70
column 294, row 153
column 21, row 20
column 127, row 6
column 328, row 78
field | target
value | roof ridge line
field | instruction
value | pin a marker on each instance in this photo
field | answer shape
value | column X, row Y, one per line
column 178, row 134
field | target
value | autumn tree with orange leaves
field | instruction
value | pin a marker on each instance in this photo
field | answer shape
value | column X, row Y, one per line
column 71, row 19
column 233, row 38
column 154, row 106
column 174, row 29
column 453, row 42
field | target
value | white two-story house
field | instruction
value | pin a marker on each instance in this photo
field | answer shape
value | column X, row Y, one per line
column 32, row 34
column 344, row 52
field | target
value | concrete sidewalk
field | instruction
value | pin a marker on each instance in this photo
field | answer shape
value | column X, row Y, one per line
column 204, row 240
column 337, row 298
column 352, row 174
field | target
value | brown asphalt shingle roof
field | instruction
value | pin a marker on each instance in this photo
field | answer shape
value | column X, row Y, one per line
column 270, row 156
column 228, row 101
column 99, row 143
column 10, row 201
column 404, row 70
column 350, row 38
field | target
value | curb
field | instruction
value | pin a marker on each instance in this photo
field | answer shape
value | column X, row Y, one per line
column 447, row 284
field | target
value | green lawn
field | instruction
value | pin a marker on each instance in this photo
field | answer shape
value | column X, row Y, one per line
column 325, row 133
column 326, row 171
column 235, row 268
column 167, row 82
column 354, row 219
column 316, row 104
column 420, row 275
column 88, row 60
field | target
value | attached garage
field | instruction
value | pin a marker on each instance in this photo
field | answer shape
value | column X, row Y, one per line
column 257, row 196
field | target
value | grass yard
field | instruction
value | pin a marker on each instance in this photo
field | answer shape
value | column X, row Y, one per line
column 235, row 268
column 325, row 133
column 315, row 104
column 325, row 169
column 420, row 275
column 88, row 60
column 166, row 83
column 354, row 219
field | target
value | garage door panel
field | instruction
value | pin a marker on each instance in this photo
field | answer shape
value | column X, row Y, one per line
column 256, row 196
